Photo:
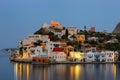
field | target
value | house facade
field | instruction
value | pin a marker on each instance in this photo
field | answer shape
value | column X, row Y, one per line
column 77, row 56
column 58, row 54
column 109, row 56
column 40, row 56
column 72, row 31
column 89, row 56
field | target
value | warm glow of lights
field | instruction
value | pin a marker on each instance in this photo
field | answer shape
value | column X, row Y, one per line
column 21, row 68
column 114, row 68
column 28, row 72
column 25, row 55
column 16, row 70
column 72, row 54
column 77, row 55
column 113, row 56
column 43, row 46
column 77, row 71
column 71, row 71
column 44, row 72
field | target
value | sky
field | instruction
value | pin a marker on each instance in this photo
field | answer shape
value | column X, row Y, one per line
column 19, row 18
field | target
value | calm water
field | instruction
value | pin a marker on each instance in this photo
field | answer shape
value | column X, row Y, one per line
column 23, row 71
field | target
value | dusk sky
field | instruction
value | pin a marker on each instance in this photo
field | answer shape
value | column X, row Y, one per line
column 19, row 18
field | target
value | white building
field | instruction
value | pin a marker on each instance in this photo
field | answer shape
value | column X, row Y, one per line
column 45, row 26
column 33, row 38
column 108, row 56
column 38, row 51
column 58, row 33
column 72, row 30
column 27, row 41
column 102, row 56
column 50, row 45
column 92, row 56
column 92, row 38
column 36, row 37
column 58, row 55
column 89, row 57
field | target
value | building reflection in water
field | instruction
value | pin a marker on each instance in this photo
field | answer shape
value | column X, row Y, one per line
column 21, row 71
column 26, row 71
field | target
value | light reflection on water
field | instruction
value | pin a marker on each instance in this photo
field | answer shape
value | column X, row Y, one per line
column 25, row 71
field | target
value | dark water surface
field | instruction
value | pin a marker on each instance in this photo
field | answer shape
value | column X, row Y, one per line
column 24, row 71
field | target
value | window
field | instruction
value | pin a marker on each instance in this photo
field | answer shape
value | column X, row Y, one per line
column 110, row 55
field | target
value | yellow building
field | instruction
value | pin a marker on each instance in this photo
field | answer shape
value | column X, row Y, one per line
column 78, row 56
column 81, row 38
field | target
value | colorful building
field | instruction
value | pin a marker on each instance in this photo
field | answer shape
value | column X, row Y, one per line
column 72, row 31
column 67, row 50
column 81, row 38
column 58, row 54
column 92, row 29
column 40, row 56
column 56, row 24
column 77, row 56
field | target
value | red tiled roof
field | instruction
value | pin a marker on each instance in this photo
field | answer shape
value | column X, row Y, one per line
column 57, row 49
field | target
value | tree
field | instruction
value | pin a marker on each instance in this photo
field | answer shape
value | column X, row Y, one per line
column 73, row 36
column 37, row 43
column 66, row 33
column 54, row 37
column 50, row 33
column 63, row 37
column 40, row 31
column 92, row 42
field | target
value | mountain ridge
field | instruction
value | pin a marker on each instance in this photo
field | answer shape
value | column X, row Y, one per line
column 117, row 29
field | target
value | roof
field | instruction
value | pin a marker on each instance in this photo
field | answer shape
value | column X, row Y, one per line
column 57, row 49
column 54, row 23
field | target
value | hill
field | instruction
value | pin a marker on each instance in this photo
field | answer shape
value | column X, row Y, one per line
column 117, row 29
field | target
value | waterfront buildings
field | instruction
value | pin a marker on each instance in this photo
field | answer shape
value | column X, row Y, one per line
column 41, row 48
column 58, row 55
column 68, row 49
column 77, row 56
column 108, row 56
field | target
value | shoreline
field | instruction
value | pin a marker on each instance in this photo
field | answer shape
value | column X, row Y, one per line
column 50, row 63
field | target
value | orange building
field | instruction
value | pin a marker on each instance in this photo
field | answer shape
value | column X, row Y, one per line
column 68, row 49
column 81, row 38
column 92, row 29
column 40, row 59
column 56, row 24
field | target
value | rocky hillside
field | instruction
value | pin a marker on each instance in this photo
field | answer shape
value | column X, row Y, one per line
column 117, row 29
